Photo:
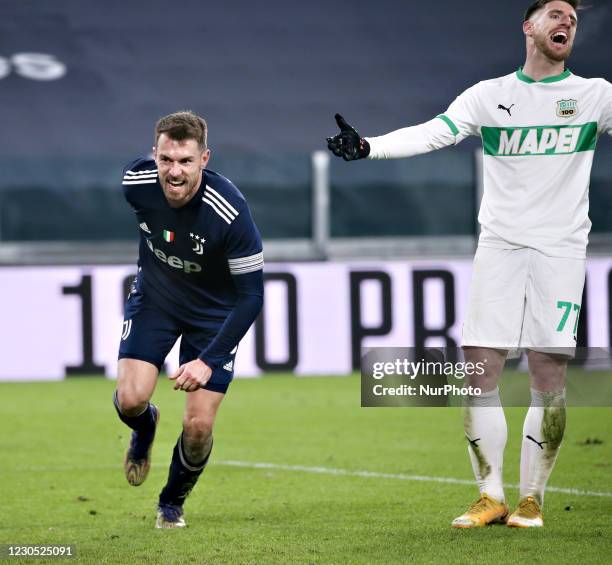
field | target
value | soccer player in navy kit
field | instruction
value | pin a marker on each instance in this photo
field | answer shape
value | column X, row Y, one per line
column 199, row 278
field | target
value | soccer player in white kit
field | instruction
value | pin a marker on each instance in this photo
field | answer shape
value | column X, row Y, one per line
column 539, row 127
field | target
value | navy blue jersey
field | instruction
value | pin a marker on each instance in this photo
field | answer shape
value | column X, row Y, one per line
column 198, row 261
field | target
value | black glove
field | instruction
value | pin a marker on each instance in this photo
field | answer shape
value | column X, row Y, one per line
column 348, row 144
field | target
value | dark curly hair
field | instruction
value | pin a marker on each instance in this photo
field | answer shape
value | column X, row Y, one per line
column 541, row 3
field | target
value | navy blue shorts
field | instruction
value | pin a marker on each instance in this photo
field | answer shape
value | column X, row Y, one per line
column 149, row 333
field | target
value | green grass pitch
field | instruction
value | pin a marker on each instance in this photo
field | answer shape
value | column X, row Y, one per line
column 61, row 480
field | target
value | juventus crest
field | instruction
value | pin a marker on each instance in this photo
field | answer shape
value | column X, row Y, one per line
column 198, row 243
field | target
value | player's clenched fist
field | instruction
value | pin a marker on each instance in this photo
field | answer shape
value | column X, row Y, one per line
column 191, row 376
column 348, row 144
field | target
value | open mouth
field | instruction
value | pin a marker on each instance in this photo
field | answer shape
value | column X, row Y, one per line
column 559, row 37
column 176, row 183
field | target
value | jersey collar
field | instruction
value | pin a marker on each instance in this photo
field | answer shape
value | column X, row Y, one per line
column 522, row 76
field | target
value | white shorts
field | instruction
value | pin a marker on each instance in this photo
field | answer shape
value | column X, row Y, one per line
column 523, row 299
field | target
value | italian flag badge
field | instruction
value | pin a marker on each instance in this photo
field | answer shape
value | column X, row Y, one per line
column 169, row 236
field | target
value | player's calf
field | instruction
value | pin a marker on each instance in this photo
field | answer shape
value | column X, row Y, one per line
column 182, row 477
column 137, row 461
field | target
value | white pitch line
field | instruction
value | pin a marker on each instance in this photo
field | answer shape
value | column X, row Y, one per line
column 394, row 476
column 316, row 470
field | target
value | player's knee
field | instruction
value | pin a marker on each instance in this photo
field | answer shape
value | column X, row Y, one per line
column 547, row 371
column 488, row 363
column 129, row 402
column 198, row 428
column 485, row 381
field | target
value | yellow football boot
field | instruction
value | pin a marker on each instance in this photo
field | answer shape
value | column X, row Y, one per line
column 527, row 515
column 484, row 511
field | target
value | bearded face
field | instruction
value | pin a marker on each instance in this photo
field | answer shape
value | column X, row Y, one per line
column 553, row 30
column 179, row 166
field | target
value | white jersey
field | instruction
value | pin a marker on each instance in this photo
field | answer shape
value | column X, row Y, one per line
column 538, row 143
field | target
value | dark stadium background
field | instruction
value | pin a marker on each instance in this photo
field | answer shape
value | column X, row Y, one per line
column 268, row 78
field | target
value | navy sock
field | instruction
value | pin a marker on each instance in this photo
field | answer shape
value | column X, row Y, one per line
column 143, row 424
column 182, row 477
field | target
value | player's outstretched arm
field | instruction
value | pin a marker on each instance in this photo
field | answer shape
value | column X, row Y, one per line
column 348, row 144
column 405, row 142
column 462, row 119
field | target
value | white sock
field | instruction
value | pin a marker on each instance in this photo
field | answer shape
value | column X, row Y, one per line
column 485, row 427
column 542, row 434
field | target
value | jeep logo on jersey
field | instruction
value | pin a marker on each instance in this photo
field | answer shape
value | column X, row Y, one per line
column 542, row 140
column 567, row 108
column 174, row 261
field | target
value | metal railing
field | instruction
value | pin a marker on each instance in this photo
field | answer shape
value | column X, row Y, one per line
column 322, row 245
